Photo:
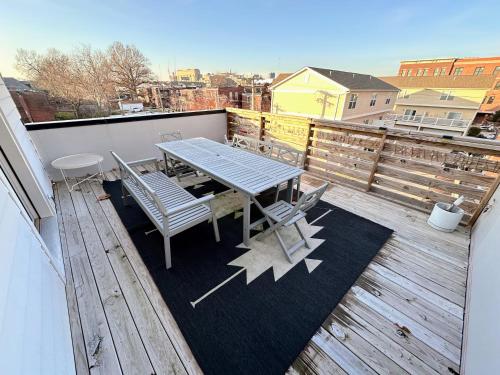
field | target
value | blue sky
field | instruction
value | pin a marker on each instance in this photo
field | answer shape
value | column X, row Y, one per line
column 258, row 35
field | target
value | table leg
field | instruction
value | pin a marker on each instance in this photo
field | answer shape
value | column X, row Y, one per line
column 70, row 189
column 289, row 191
column 165, row 161
column 246, row 219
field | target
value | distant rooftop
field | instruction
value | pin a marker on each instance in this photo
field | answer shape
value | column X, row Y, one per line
column 17, row 85
column 448, row 81
column 355, row 81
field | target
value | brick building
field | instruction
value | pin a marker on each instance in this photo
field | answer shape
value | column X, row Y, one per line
column 261, row 100
column 451, row 66
column 209, row 98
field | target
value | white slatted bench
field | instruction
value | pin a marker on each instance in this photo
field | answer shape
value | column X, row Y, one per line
column 171, row 208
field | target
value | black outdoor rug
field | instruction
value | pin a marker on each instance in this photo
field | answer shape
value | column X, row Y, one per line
column 258, row 327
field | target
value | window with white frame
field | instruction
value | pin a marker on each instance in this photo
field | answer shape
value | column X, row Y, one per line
column 491, row 99
column 420, row 72
column 436, row 71
column 352, row 101
column 373, row 100
column 443, row 71
column 426, row 72
column 479, row 70
column 446, row 95
column 496, row 71
column 409, row 73
column 458, row 71
column 403, row 72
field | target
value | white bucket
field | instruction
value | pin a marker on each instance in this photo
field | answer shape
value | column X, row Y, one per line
column 443, row 220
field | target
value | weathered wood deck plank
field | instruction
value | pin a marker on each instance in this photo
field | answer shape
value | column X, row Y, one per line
column 79, row 350
column 123, row 330
column 101, row 353
column 156, row 341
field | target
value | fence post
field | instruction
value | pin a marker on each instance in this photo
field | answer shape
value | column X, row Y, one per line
column 310, row 133
column 375, row 161
column 262, row 127
column 484, row 201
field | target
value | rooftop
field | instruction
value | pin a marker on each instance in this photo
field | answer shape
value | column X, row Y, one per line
column 355, row 81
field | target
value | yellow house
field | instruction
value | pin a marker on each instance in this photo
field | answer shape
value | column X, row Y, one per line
column 333, row 95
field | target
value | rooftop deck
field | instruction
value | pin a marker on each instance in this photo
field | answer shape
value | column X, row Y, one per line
column 404, row 313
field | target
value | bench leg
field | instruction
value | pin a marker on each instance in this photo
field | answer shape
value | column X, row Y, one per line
column 168, row 257
column 216, row 228
column 166, row 243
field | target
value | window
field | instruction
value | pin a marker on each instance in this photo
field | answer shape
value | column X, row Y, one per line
column 236, row 95
column 420, row 72
column 366, row 122
column 454, row 115
column 410, row 112
column 458, row 71
column 409, row 73
column 403, row 72
column 436, row 71
column 426, row 72
column 446, row 95
column 491, row 99
column 479, row 70
column 496, row 71
column 443, row 71
column 497, row 86
column 388, row 100
column 352, row 101
column 373, row 100
column 231, row 96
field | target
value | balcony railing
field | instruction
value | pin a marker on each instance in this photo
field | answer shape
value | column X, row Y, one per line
column 432, row 121
column 416, row 169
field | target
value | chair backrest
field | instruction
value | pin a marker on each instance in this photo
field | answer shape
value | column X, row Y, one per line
column 245, row 143
column 128, row 176
column 169, row 136
column 288, row 155
column 310, row 199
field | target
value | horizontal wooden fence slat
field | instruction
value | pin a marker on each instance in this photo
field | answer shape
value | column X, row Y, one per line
column 415, row 170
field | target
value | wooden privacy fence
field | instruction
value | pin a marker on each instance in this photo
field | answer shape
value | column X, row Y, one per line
column 417, row 170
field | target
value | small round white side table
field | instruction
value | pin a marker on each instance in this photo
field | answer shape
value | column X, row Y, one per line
column 79, row 161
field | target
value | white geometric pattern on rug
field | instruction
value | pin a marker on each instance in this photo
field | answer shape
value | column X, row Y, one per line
column 266, row 252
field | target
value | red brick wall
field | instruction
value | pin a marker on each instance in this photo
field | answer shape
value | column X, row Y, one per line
column 414, row 66
column 468, row 64
column 33, row 106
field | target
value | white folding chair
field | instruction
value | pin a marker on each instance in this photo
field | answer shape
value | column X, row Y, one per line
column 175, row 166
column 283, row 214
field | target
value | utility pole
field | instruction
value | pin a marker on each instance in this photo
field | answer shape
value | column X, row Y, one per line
column 253, row 93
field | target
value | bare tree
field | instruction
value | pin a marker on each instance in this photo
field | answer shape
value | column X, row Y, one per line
column 93, row 74
column 52, row 72
column 129, row 67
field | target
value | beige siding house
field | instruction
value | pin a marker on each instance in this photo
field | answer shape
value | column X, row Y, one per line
column 333, row 95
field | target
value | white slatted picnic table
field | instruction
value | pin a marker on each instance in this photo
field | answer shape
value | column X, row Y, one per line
column 246, row 172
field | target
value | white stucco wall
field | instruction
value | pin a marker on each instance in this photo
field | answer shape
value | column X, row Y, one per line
column 481, row 353
column 131, row 140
